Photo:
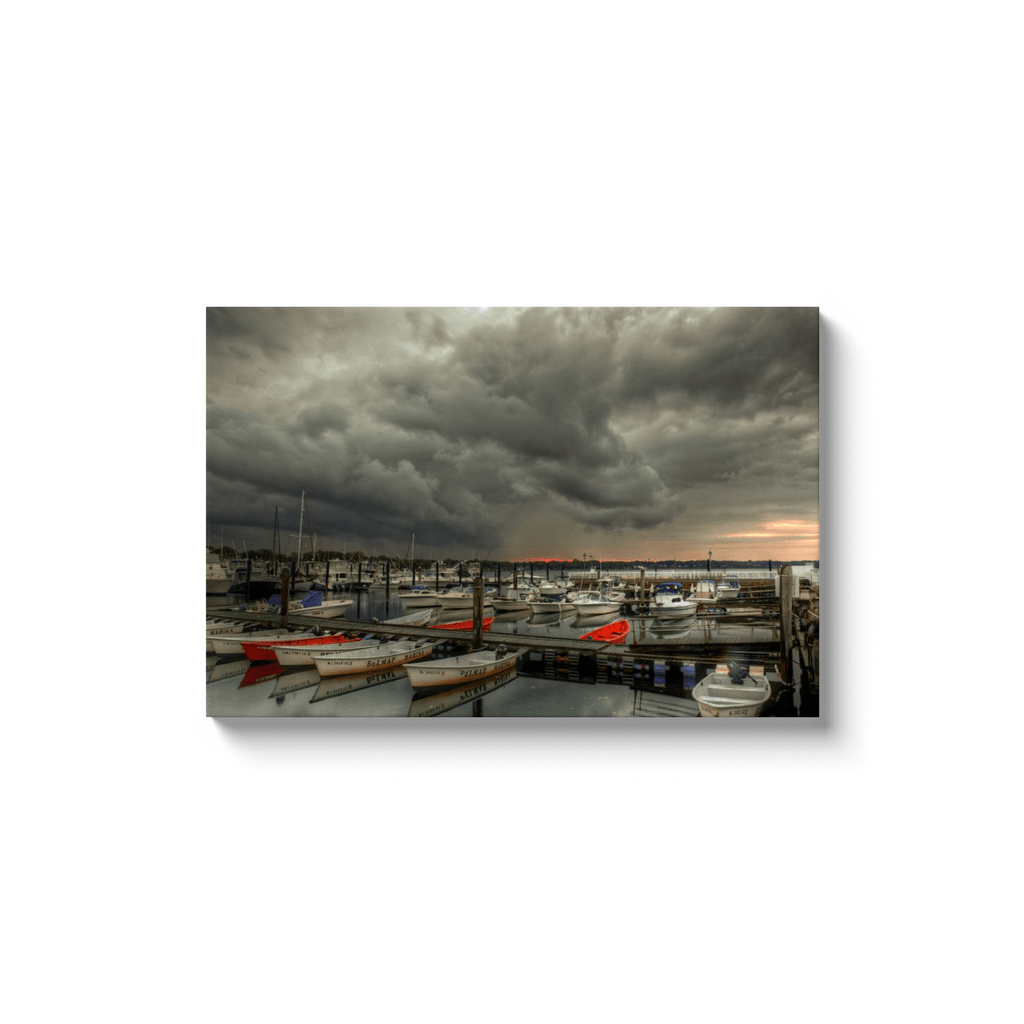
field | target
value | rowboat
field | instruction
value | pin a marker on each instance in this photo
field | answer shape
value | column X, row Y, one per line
column 720, row 694
column 668, row 602
column 416, row 618
column 231, row 644
column 302, row 652
column 221, row 629
column 613, row 633
column 464, row 624
column 380, row 656
column 590, row 602
column 444, row 672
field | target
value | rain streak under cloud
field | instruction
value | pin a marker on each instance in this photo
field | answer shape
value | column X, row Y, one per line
column 517, row 433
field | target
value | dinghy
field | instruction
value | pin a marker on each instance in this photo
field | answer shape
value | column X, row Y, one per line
column 464, row 624
column 380, row 656
column 723, row 694
column 463, row 669
column 613, row 633
column 231, row 644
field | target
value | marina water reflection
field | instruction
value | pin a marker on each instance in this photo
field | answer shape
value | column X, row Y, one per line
column 235, row 687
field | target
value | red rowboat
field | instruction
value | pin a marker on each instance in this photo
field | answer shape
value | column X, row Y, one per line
column 613, row 633
column 466, row 624
column 262, row 650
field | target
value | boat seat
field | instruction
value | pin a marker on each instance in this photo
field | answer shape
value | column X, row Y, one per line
column 735, row 692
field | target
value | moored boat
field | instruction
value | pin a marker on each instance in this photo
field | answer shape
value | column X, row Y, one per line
column 416, row 618
column 704, row 591
column 231, row 644
column 380, row 656
column 613, row 633
column 444, row 672
column 456, row 599
column 668, row 601
column 539, row 608
column 464, row 624
column 420, row 597
column 314, row 604
column 515, row 599
column 724, row 694
column 590, row 602
column 301, row 648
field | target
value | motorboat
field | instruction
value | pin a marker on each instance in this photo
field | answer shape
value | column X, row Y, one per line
column 314, row 604
column 465, row 668
column 592, row 602
column 668, row 601
column 552, row 607
column 704, row 592
column 515, row 599
column 366, row 659
column 456, row 599
column 420, row 597
column 725, row 694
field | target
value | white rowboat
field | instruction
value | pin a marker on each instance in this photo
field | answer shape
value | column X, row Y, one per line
column 719, row 695
column 379, row 657
column 462, row 669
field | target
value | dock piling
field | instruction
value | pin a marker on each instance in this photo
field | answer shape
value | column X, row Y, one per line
column 786, row 620
column 478, row 612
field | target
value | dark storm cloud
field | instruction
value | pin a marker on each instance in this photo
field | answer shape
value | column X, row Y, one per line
column 745, row 360
column 443, row 421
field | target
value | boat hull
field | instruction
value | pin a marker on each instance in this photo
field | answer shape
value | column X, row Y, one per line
column 597, row 607
column 718, row 697
column 456, row 671
column 384, row 656
column 303, row 655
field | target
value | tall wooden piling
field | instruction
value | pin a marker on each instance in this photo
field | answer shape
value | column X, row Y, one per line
column 327, row 577
column 786, row 620
column 248, row 575
column 478, row 612
column 285, row 585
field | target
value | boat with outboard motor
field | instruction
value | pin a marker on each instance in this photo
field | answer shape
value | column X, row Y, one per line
column 727, row 693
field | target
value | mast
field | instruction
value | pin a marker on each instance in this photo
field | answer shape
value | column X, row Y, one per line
column 302, row 509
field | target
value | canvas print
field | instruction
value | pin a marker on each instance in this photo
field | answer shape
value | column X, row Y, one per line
column 497, row 512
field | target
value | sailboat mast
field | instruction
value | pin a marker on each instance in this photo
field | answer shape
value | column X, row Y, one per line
column 302, row 509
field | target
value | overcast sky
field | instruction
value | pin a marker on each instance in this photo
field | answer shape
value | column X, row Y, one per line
column 517, row 433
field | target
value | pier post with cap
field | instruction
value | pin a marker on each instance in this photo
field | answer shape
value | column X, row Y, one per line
column 285, row 584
